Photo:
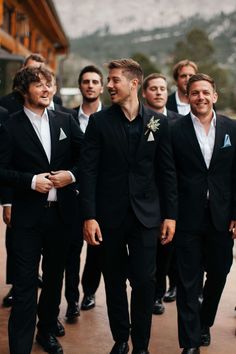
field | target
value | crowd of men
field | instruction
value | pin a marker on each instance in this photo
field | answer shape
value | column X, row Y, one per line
column 151, row 187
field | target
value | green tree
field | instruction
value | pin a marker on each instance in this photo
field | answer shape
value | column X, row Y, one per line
column 199, row 48
column 147, row 65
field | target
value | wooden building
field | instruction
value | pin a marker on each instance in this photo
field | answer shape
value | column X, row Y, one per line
column 28, row 26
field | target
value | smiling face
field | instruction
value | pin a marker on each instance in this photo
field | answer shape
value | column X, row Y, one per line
column 120, row 86
column 91, row 86
column 156, row 94
column 37, row 98
column 202, row 96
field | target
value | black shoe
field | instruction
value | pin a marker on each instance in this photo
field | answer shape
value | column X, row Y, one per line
column 8, row 299
column 158, row 307
column 72, row 311
column 170, row 295
column 120, row 348
column 191, row 351
column 205, row 336
column 88, row 302
column 40, row 282
column 49, row 343
column 140, row 352
column 59, row 330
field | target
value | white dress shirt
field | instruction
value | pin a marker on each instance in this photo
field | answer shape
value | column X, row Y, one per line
column 183, row 108
column 84, row 118
column 42, row 129
column 205, row 140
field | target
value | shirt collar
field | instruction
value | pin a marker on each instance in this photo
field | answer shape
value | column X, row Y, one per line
column 82, row 114
column 34, row 116
column 196, row 119
column 179, row 103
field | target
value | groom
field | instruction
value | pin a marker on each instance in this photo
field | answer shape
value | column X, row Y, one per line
column 128, row 188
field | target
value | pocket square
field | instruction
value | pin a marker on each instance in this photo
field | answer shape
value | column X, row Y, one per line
column 150, row 137
column 227, row 141
column 62, row 135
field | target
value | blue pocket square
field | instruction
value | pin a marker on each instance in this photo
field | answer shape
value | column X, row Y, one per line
column 227, row 142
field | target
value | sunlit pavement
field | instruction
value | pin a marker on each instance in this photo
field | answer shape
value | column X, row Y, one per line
column 91, row 334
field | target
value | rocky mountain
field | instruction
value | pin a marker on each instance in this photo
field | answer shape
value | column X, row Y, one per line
column 81, row 18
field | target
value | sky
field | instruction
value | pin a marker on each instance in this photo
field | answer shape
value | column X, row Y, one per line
column 81, row 17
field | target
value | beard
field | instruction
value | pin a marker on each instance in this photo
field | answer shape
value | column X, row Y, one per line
column 90, row 99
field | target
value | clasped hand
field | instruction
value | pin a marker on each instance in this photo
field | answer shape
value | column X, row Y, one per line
column 48, row 180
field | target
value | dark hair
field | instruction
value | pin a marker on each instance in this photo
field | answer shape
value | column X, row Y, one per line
column 128, row 66
column 90, row 69
column 152, row 77
column 200, row 77
column 36, row 57
column 178, row 66
column 26, row 76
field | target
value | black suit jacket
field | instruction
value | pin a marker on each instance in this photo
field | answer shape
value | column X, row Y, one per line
column 171, row 103
column 4, row 115
column 172, row 116
column 195, row 179
column 22, row 156
column 110, row 182
column 60, row 108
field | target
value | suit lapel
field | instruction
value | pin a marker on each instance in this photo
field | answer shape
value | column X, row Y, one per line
column 219, row 139
column 190, row 136
column 146, row 116
column 119, row 130
column 29, row 129
column 54, row 131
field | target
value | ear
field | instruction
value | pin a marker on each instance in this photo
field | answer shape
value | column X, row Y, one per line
column 134, row 84
column 215, row 97
column 143, row 94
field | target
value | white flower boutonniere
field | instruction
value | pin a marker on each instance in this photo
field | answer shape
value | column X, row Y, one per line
column 152, row 127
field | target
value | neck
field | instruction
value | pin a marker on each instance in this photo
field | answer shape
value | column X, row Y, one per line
column 183, row 97
column 131, row 108
column 90, row 107
column 206, row 120
column 37, row 110
column 155, row 109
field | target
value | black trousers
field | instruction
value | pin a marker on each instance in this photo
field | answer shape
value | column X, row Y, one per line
column 212, row 250
column 10, row 260
column 129, row 252
column 53, row 236
column 92, row 268
column 163, row 260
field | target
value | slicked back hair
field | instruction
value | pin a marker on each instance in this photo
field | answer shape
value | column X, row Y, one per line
column 26, row 76
column 200, row 77
column 178, row 66
column 152, row 77
column 129, row 67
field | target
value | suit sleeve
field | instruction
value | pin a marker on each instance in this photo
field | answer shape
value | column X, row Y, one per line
column 89, row 169
column 77, row 138
column 8, row 176
column 166, row 174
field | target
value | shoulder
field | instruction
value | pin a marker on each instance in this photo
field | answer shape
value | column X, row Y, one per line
column 173, row 115
column 171, row 97
column 226, row 120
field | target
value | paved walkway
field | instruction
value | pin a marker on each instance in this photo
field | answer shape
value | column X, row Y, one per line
column 91, row 335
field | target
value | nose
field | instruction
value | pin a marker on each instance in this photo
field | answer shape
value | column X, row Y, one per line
column 109, row 84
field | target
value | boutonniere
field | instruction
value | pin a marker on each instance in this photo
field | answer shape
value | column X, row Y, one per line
column 152, row 127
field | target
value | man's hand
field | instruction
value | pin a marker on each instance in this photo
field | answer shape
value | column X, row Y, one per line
column 92, row 232
column 43, row 184
column 232, row 228
column 6, row 215
column 167, row 231
column 60, row 178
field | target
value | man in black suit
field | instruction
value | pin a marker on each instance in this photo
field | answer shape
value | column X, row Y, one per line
column 126, row 170
column 178, row 100
column 204, row 148
column 154, row 91
column 91, row 87
column 39, row 153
